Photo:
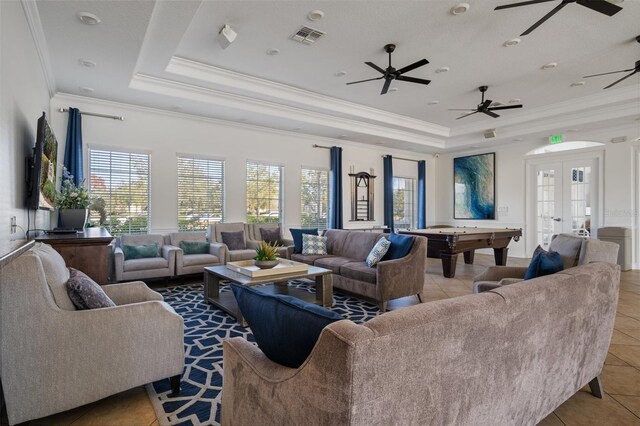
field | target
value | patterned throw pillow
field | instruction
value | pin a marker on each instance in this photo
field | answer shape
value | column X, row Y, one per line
column 378, row 251
column 142, row 251
column 195, row 247
column 234, row 240
column 314, row 244
column 271, row 235
column 86, row 293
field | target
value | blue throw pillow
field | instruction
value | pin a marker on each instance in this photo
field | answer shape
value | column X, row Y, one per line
column 285, row 328
column 544, row 263
column 400, row 246
column 296, row 234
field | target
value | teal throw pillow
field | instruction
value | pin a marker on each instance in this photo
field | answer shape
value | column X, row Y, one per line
column 377, row 252
column 142, row 251
column 195, row 247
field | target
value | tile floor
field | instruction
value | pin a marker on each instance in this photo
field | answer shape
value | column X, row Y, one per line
column 620, row 377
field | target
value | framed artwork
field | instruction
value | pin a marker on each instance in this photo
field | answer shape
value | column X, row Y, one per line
column 474, row 187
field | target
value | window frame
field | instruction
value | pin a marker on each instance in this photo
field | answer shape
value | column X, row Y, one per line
column 280, row 198
column 322, row 170
column 413, row 203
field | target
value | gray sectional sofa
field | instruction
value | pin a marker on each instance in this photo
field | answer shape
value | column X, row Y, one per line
column 390, row 279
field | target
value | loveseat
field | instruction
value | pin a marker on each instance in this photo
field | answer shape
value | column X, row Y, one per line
column 508, row 356
column 389, row 279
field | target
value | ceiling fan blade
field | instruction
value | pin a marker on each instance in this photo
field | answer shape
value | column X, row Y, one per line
column 466, row 115
column 413, row 66
column 413, row 79
column 385, row 88
column 362, row 81
column 375, row 67
column 623, row 78
column 485, row 104
column 524, row 3
column 462, row 109
column 601, row 6
column 490, row 114
column 544, row 18
column 607, row 73
column 504, row 107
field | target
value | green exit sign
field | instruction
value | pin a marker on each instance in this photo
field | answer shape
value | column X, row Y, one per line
column 554, row 139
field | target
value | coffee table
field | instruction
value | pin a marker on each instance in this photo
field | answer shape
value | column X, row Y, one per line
column 227, row 301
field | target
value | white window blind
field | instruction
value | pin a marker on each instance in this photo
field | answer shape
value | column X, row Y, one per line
column 404, row 202
column 314, row 192
column 200, row 193
column 121, row 179
column 264, row 193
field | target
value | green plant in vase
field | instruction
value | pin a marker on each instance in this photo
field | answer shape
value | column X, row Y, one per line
column 266, row 255
column 73, row 203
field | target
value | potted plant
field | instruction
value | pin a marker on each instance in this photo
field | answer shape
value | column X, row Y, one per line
column 73, row 203
column 266, row 255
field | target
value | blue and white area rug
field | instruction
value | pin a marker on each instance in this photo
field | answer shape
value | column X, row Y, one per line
column 205, row 329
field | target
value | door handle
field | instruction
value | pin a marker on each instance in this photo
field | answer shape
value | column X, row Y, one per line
column 557, row 219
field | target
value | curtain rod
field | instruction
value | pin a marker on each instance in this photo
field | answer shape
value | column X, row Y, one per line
column 320, row 146
column 113, row 117
column 400, row 158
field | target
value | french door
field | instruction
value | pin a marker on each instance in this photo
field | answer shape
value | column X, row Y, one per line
column 565, row 199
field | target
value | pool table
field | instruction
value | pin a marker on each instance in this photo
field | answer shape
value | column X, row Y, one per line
column 446, row 243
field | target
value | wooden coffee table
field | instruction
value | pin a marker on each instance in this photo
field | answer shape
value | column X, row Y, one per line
column 227, row 301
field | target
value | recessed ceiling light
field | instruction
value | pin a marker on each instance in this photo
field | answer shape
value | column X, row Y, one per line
column 515, row 101
column 88, row 18
column 512, row 42
column 577, row 84
column 85, row 89
column 272, row 51
column 460, row 8
column 549, row 66
column 315, row 15
column 393, row 89
column 340, row 73
column 442, row 69
column 87, row 63
column 433, row 102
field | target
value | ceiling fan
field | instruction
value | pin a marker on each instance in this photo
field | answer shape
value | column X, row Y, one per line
column 601, row 6
column 634, row 70
column 485, row 106
column 391, row 73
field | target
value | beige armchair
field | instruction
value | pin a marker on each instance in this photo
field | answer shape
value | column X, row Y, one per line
column 573, row 250
column 215, row 235
column 163, row 265
column 286, row 245
column 54, row 358
column 195, row 263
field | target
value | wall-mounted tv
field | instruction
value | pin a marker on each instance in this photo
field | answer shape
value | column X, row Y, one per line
column 42, row 168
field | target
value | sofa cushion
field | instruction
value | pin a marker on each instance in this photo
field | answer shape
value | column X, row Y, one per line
column 195, row 247
column 271, row 235
column 141, row 251
column 400, row 246
column 234, row 240
column 86, row 293
column 296, row 234
column 199, row 259
column 544, row 263
column 285, row 328
column 176, row 237
column 332, row 262
column 56, row 274
column 314, row 244
column 245, row 254
column 358, row 245
column 359, row 271
column 377, row 252
column 336, row 239
column 145, row 264
column 568, row 246
column 308, row 259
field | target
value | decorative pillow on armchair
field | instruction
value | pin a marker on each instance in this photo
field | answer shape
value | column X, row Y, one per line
column 271, row 235
column 142, row 251
column 86, row 293
column 314, row 245
column 195, row 247
column 544, row 263
column 234, row 240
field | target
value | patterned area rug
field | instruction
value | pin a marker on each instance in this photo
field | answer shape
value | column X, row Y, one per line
column 205, row 329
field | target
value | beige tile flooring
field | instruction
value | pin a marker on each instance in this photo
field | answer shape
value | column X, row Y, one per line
column 621, row 374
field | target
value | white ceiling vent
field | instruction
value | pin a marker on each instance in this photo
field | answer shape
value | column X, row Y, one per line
column 307, row 35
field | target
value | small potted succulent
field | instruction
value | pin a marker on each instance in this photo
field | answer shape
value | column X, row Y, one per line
column 266, row 255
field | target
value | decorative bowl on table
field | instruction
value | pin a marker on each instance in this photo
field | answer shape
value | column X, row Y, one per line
column 266, row 264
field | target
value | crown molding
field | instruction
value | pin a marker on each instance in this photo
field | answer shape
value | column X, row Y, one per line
column 35, row 27
column 242, row 103
column 282, row 92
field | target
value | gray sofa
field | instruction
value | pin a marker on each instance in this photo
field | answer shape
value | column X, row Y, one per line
column 163, row 265
column 390, row 279
column 508, row 356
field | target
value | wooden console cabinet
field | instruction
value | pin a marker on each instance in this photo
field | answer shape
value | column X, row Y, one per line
column 88, row 252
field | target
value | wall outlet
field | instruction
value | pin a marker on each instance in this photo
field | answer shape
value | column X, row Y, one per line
column 14, row 225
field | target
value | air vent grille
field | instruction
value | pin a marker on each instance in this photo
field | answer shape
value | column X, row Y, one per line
column 307, row 35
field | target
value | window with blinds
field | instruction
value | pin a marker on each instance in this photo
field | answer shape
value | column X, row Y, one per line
column 404, row 203
column 200, row 193
column 121, row 180
column 314, row 197
column 264, row 193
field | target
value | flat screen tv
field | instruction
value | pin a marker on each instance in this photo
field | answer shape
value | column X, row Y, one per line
column 42, row 168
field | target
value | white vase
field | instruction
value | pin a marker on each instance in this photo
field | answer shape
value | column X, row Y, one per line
column 73, row 218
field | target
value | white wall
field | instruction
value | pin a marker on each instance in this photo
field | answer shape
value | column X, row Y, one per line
column 619, row 200
column 164, row 134
column 23, row 97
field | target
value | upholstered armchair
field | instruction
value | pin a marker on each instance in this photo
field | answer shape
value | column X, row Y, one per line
column 162, row 265
column 248, row 249
column 256, row 234
column 195, row 263
column 573, row 250
column 54, row 358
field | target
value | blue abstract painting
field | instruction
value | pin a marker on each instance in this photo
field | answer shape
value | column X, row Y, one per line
column 474, row 187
